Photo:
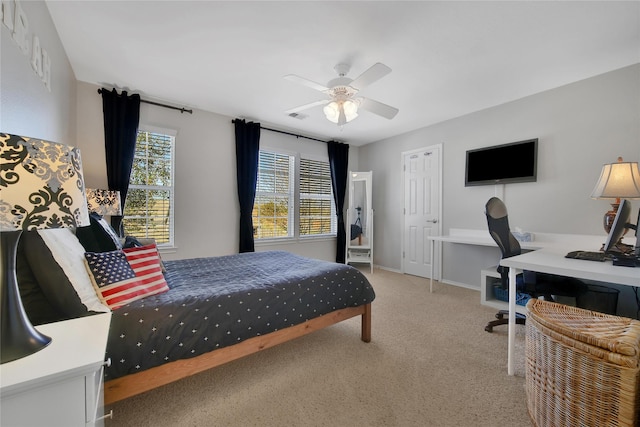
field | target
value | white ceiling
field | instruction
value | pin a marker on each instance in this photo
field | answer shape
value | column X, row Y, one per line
column 448, row 58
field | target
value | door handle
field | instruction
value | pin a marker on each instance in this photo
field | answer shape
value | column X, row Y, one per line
column 435, row 220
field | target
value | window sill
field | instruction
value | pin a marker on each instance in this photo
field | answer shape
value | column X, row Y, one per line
column 167, row 249
column 293, row 240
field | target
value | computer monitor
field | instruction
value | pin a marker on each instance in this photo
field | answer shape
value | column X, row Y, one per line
column 618, row 228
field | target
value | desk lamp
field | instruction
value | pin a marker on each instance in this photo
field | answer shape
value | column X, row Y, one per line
column 617, row 180
column 104, row 202
column 41, row 186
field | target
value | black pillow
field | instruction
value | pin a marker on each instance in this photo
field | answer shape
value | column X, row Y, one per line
column 99, row 236
column 131, row 242
column 52, row 279
column 38, row 308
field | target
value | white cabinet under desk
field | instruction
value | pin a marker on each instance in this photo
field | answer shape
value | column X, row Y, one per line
column 489, row 277
column 62, row 384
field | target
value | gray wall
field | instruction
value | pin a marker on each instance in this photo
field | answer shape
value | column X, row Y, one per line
column 27, row 107
column 580, row 126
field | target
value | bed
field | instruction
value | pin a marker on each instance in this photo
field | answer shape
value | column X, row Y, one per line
column 215, row 310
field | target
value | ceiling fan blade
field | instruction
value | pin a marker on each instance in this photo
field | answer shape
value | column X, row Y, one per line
column 306, row 82
column 306, row 106
column 374, row 73
column 378, row 108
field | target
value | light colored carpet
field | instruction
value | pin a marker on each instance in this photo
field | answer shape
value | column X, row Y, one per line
column 430, row 363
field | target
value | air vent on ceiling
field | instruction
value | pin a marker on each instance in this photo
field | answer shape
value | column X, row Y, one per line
column 298, row 116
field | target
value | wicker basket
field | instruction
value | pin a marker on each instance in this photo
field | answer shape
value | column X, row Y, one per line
column 582, row 367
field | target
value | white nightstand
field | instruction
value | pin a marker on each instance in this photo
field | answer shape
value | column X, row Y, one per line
column 62, row 384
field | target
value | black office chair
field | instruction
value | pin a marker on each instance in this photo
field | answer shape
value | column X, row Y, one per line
column 529, row 282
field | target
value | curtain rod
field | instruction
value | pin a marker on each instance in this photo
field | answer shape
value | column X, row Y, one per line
column 293, row 134
column 288, row 133
column 182, row 110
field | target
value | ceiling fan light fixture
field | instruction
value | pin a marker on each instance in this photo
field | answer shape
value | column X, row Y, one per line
column 332, row 111
column 335, row 109
column 343, row 105
column 350, row 110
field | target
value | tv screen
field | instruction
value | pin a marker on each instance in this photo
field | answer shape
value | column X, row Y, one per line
column 502, row 164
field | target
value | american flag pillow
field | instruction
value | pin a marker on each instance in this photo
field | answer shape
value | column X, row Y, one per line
column 121, row 277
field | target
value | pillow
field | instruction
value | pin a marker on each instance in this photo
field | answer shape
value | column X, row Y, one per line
column 134, row 242
column 56, row 258
column 121, row 277
column 131, row 242
column 99, row 236
column 145, row 261
column 39, row 310
column 114, row 280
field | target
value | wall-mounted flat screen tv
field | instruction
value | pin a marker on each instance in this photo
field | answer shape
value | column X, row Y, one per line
column 502, row 164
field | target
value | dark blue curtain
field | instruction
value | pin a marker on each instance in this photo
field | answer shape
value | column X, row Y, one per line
column 247, row 150
column 339, row 162
column 121, row 117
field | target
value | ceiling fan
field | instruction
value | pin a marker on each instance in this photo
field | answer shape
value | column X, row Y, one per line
column 343, row 104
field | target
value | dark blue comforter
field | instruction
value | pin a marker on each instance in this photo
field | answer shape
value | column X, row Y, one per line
column 220, row 301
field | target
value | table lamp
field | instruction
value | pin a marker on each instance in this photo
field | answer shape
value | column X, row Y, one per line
column 620, row 180
column 41, row 186
column 103, row 202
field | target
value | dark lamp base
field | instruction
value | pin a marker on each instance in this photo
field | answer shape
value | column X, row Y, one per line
column 609, row 216
column 18, row 337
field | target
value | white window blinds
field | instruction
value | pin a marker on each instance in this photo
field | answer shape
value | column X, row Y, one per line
column 273, row 206
column 317, row 210
column 149, row 207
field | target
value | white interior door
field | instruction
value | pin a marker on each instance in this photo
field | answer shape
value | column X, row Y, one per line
column 422, row 199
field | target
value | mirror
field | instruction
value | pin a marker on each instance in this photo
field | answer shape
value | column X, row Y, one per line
column 360, row 209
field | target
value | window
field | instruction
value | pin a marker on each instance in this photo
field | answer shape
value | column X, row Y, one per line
column 273, row 205
column 279, row 211
column 317, row 210
column 149, row 205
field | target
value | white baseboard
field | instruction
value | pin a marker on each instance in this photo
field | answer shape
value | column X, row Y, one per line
column 393, row 270
column 460, row 284
column 446, row 282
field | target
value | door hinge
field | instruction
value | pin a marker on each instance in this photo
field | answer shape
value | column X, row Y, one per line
column 402, row 254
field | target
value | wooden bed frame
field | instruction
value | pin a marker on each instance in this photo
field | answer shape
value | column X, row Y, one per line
column 134, row 384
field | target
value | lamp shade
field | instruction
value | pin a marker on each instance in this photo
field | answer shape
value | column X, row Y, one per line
column 619, row 180
column 332, row 111
column 41, row 186
column 103, row 202
column 341, row 112
column 350, row 110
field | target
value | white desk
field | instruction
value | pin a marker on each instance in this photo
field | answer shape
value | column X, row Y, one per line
column 550, row 259
column 546, row 256
column 482, row 238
